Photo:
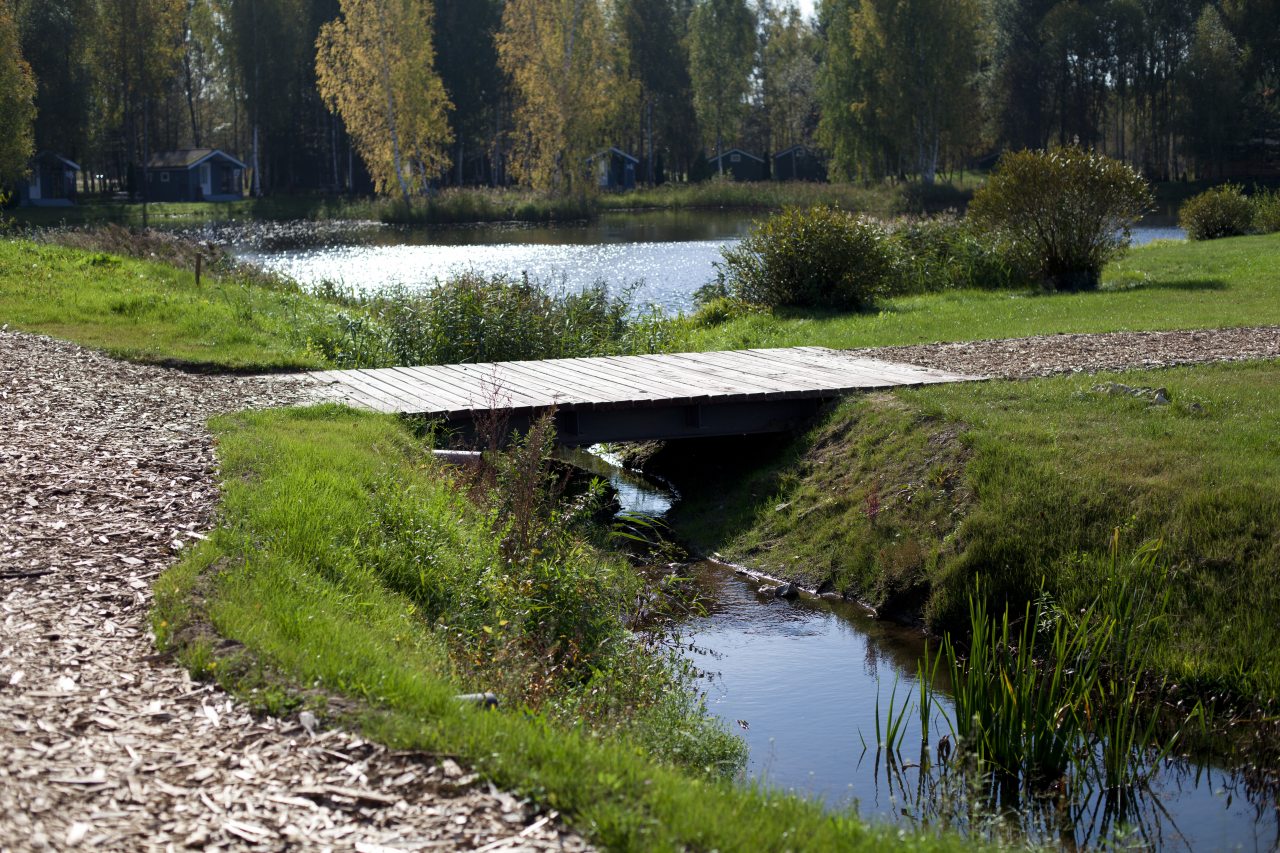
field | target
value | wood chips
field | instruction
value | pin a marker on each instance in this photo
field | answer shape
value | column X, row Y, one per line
column 106, row 474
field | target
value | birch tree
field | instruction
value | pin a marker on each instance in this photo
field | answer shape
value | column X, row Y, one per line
column 17, row 101
column 375, row 66
column 722, row 52
column 558, row 58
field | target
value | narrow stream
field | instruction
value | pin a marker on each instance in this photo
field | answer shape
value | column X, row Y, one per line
column 799, row 682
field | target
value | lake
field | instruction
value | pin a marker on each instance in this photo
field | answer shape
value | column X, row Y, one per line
column 669, row 253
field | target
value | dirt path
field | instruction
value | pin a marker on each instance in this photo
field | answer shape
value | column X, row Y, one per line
column 106, row 474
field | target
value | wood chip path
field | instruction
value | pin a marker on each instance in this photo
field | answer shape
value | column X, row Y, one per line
column 106, row 474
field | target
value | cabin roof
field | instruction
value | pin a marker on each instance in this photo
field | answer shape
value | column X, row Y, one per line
column 612, row 150
column 793, row 149
column 739, row 151
column 188, row 158
column 46, row 156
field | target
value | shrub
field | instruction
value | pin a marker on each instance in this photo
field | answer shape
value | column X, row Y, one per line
column 476, row 318
column 1220, row 212
column 946, row 253
column 1266, row 212
column 1066, row 212
column 815, row 258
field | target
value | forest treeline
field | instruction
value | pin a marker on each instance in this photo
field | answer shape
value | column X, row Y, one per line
column 328, row 94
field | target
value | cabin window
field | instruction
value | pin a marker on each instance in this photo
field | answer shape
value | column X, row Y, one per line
column 799, row 153
column 204, row 173
column 735, row 158
column 164, row 177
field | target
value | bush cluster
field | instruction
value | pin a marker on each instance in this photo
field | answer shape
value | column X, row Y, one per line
column 825, row 258
column 475, row 318
column 1065, row 212
column 1223, row 211
column 949, row 253
column 1266, row 212
column 816, row 258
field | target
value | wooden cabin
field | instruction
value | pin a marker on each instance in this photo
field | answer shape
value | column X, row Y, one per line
column 614, row 168
column 799, row 163
column 196, row 174
column 740, row 165
column 52, row 183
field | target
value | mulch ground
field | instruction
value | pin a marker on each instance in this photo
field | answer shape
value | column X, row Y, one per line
column 107, row 474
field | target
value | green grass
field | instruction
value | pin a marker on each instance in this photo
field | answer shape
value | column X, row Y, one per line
column 309, row 587
column 1213, row 284
column 903, row 499
column 152, row 312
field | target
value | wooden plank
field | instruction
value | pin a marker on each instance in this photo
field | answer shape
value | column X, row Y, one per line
column 487, row 392
column 776, row 380
column 591, row 390
column 417, row 400
column 625, row 385
column 733, row 383
column 411, row 397
column 445, row 396
column 824, row 374
column 468, row 393
column 855, row 372
column 571, row 388
column 351, row 394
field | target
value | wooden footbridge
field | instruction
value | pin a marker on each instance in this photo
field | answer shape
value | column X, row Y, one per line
column 628, row 398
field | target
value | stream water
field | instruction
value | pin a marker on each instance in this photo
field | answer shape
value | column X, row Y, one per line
column 801, row 682
column 669, row 254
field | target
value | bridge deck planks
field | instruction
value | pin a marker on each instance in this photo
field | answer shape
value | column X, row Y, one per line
column 618, row 382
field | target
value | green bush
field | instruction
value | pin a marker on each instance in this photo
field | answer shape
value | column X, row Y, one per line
column 475, row 318
column 815, row 258
column 1066, row 212
column 1220, row 212
column 1266, row 212
column 946, row 253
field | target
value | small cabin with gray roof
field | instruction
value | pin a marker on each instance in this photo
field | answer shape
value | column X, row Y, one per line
column 51, row 182
column 614, row 168
column 197, row 174
column 799, row 163
column 740, row 165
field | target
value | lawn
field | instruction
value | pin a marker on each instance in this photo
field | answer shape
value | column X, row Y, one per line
column 1183, row 285
column 153, row 312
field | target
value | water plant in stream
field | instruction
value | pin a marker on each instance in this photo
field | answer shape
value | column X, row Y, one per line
column 1050, row 709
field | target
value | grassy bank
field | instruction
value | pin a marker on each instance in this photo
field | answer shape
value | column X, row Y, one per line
column 362, row 594
column 135, row 296
column 153, row 312
column 459, row 206
column 903, row 499
column 1218, row 284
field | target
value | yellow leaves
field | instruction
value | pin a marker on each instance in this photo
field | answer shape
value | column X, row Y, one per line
column 375, row 66
column 558, row 56
column 17, row 100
